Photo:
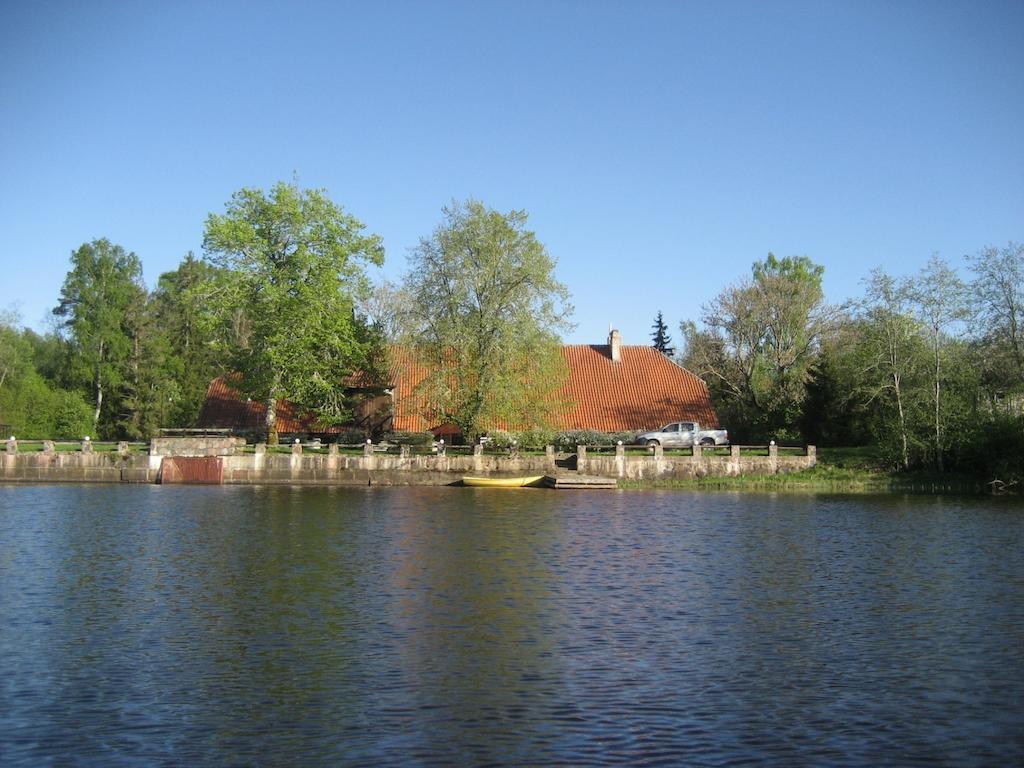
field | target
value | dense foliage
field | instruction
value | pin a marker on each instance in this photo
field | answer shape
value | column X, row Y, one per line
column 483, row 316
column 289, row 272
column 926, row 367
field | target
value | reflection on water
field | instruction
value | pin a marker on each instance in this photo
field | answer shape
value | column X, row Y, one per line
column 173, row 625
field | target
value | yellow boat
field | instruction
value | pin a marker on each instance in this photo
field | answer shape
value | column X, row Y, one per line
column 504, row 482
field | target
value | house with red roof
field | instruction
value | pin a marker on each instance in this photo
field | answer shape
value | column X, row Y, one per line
column 610, row 388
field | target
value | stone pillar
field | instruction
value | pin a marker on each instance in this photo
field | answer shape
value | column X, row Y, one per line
column 122, row 448
column 812, row 456
column 773, row 457
column 367, row 449
column 49, row 448
column 513, row 450
column 12, row 444
column 331, row 462
column 581, row 458
column 296, row 448
column 659, row 452
column 478, row 457
column 332, row 449
column 549, row 457
column 441, row 447
column 86, row 445
column 260, row 457
column 620, row 451
column 734, row 459
column 403, row 451
column 698, row 451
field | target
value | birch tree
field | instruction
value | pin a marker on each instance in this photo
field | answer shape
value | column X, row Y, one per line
column 105, row 281
column 940, row 303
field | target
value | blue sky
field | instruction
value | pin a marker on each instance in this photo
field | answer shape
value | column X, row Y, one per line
column 659, row 148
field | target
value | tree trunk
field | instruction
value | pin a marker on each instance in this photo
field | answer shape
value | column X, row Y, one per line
column 99, row 402
column 271, row 420
column 938, row 421
column 903, row 421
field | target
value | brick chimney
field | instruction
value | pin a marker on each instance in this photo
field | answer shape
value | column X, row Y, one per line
column 615, row 345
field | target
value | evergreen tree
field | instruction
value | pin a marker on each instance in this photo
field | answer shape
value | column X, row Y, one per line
column 662, row 341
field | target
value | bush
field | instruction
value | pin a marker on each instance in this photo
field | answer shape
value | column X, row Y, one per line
column 536, row 439
column 568, row 440
column 499, row 438
column 409, row 438
column 350, row 437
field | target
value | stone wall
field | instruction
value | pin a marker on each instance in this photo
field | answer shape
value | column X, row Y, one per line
column 195, row 446
column 373, row 468
column 631, row 466
column 77, row 467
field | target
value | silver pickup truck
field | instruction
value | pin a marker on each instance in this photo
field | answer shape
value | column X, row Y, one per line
column 682, row 434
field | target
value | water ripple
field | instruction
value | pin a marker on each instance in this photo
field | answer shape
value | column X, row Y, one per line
column 272, row 626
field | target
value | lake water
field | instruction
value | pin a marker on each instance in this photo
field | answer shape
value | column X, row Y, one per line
column 149, row 625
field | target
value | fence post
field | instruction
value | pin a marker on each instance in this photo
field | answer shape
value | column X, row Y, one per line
column 403, row 451
column 549, row 456
column 812, row 456
column 12, row 444
column 773, row 457
column 368, row 448
column 332, row 449
column 698, row 450
column 86, row 444
column 122, row 448
column 48, row 447
column 296, row 448
column 659, row 451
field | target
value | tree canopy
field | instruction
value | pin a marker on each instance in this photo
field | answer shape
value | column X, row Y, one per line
column 96, row 302
column 758, row 342
column 485, row 310
column 290, row 267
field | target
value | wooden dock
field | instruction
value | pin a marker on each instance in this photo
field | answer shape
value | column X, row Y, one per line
column 579, row 482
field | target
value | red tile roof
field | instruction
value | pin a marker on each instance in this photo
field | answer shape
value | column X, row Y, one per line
column 644, row 390
column 225, row 407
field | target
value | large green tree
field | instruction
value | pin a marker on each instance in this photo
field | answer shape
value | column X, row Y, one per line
column 486, row 310
column 939, row 301
column 180, row 310
column 290, row 267
column 757, row 342
column 96, row 304
column 998, row 293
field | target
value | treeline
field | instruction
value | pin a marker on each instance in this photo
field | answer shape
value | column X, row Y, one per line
column 120, row 361
column 273, row 301
column 281, row 303
column 929, row 368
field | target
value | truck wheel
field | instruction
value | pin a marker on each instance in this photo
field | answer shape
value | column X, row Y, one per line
column 707, row 441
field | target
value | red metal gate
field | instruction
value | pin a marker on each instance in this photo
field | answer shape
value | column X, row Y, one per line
column 206, row 470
